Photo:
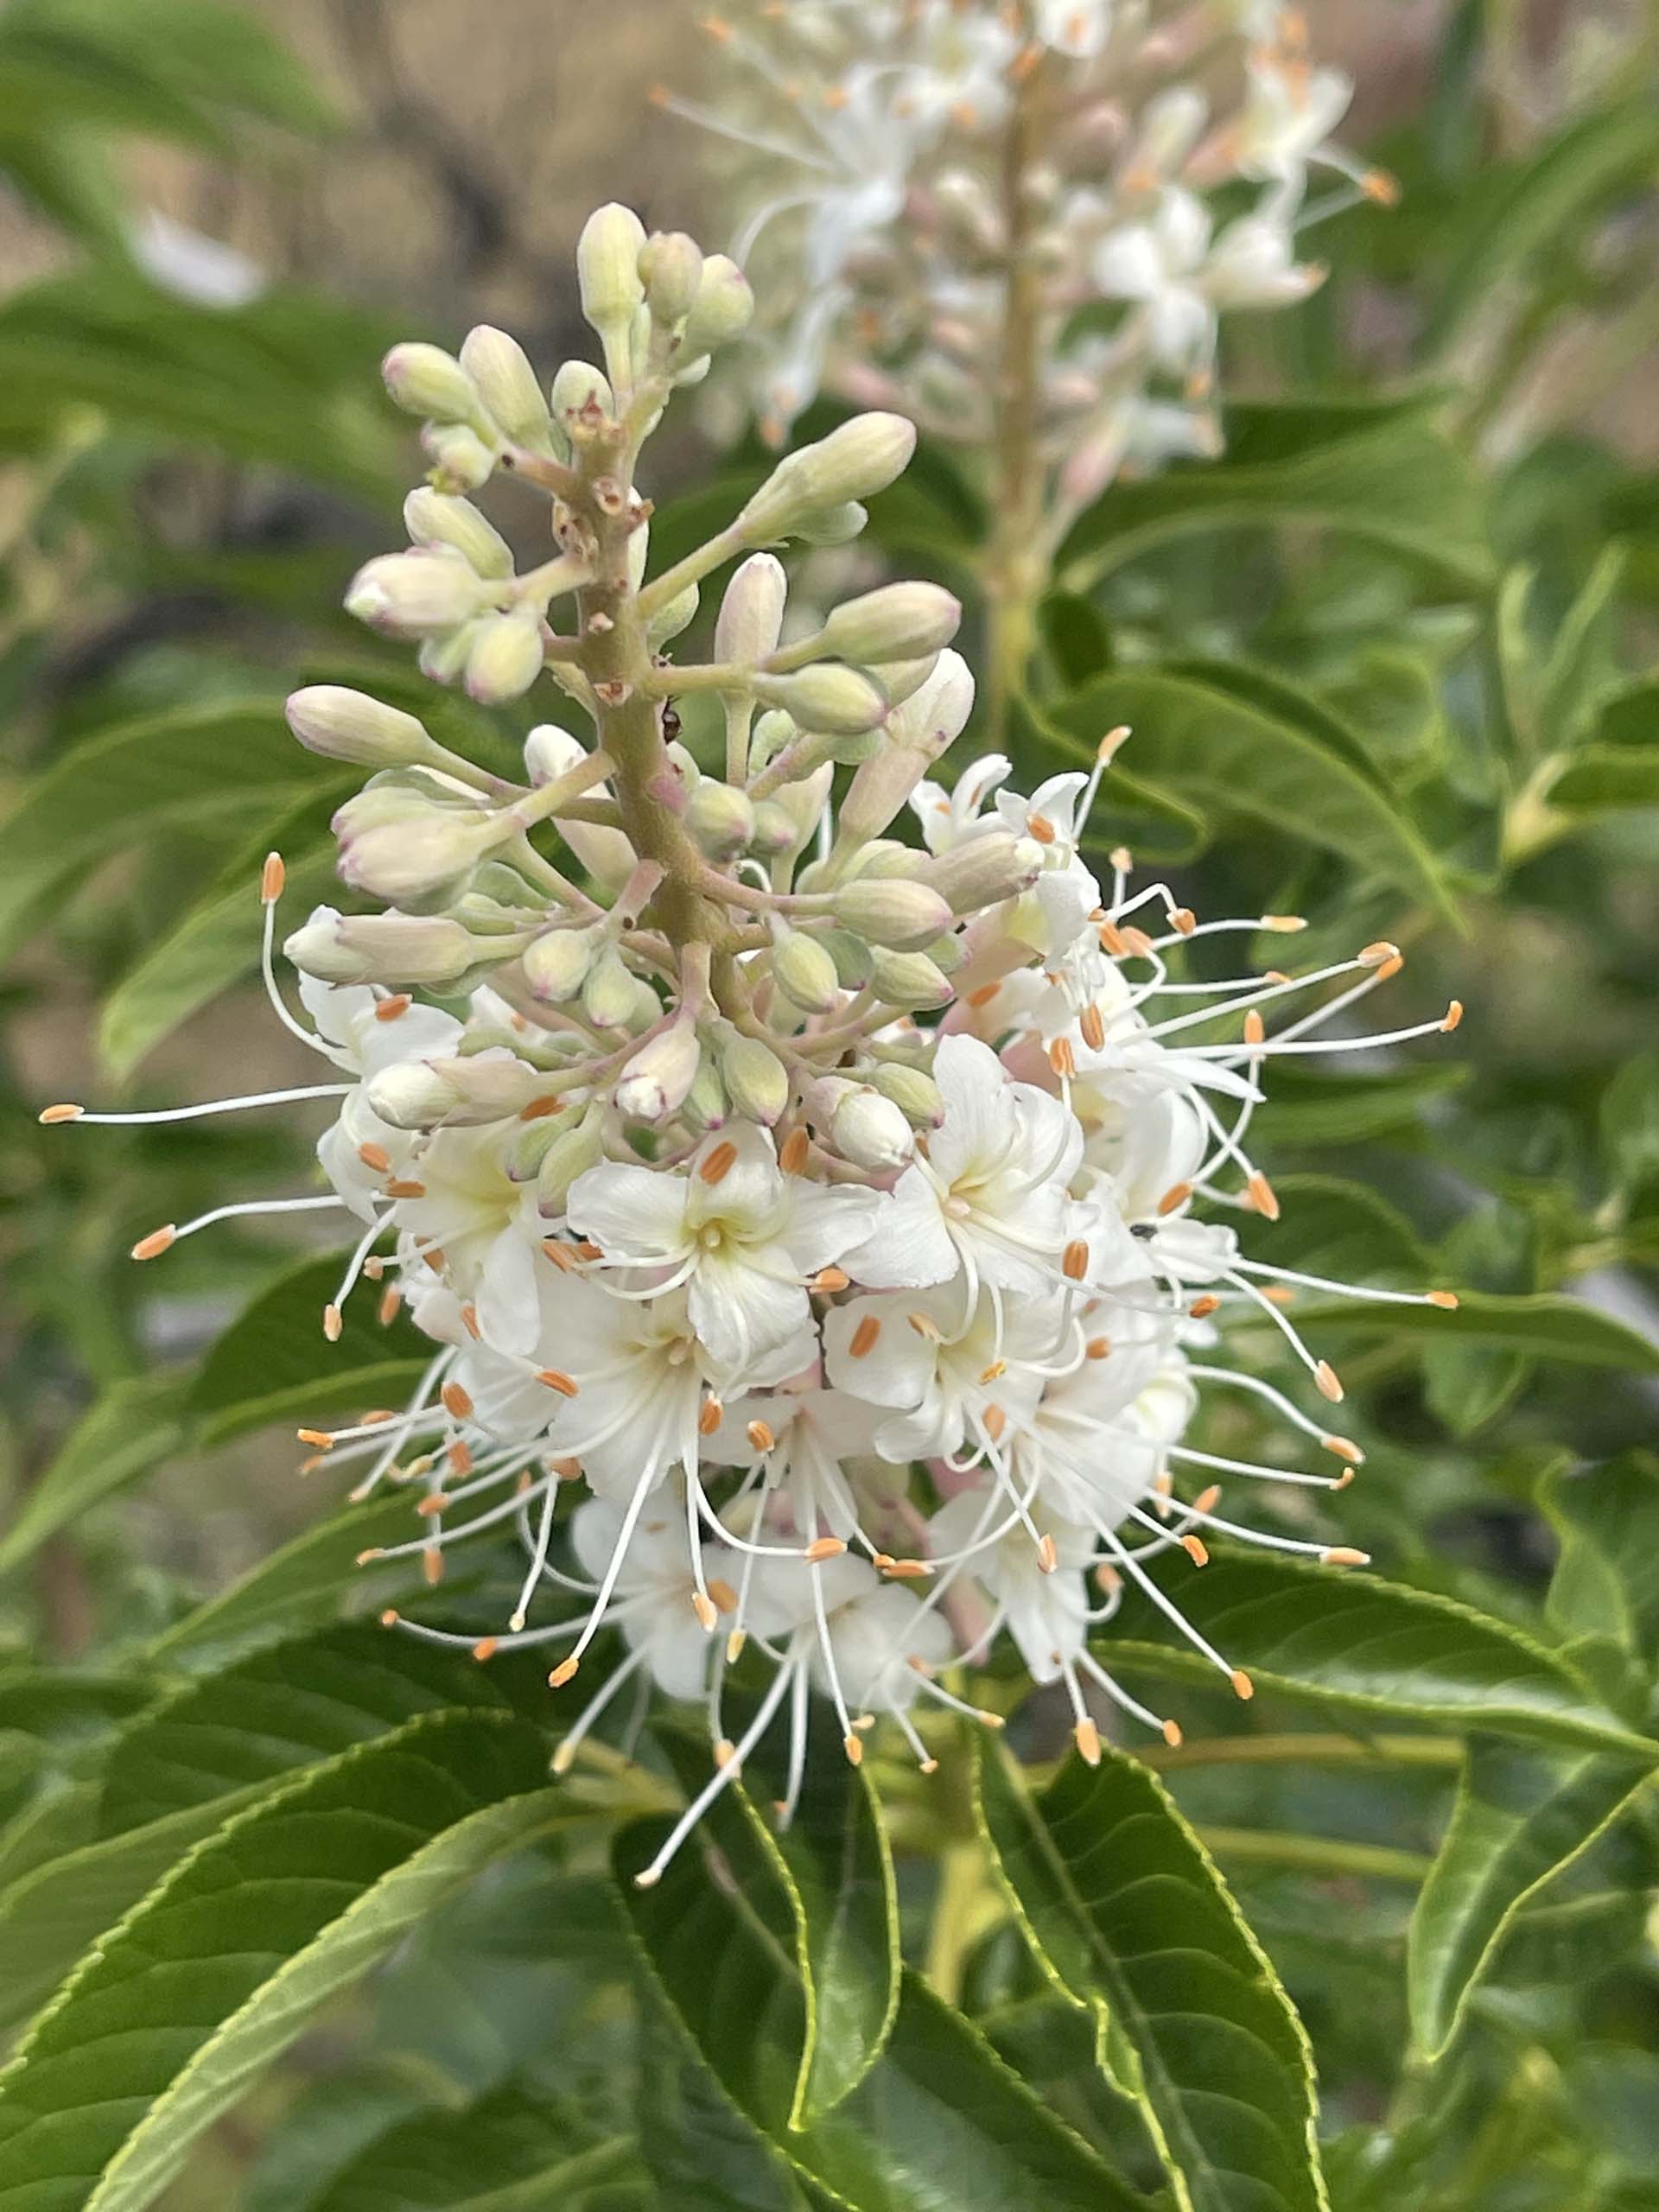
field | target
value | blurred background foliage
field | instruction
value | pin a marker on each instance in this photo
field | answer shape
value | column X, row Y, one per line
column 1390, row 662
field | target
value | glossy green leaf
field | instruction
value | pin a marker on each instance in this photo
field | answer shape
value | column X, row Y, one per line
column 1385, row 476
column 119, row 1439
column 1607, row 1580
column 1253, row 747
column 1129, row 1918
column 274, row 1362
column 168, row 2021
column 1603, row 778
column 1552, row 1327
column 1520, row 1816
column 1163, row 826
column 512, row 2151
column 1306, row 1106
column 938, row 2121
column 1352, row 1643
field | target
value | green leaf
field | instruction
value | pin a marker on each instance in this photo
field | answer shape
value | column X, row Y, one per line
column 1520, row 1816
column 134, row 1423
column 274, row 1361
column 1529, row 208
column 1356, row 1643
column 1309, row 1107
column 1129, row 1918
column 1242, row 744
column 115, row 789
column 1383, row 476
column 168, row 2021
column 939, row 2120
column 1605, row 778
column 1607, row 1581
column 1554, row 1328
column 1075, row 633
column 1163, row 826
column 508, row 2150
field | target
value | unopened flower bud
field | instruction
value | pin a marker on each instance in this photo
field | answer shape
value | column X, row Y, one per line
column 607, row 268
column 405, row 846
column 918, row 732
column 409, row 594
column 680, row 613
column 898, row 622
column 723, row 307
column 435, row 518
column 719, row 817
column 581, row 388
column 826, row 696
column 556, row 964
column 505, row 658
column 913, row 1092
column 984, row 871
column 772, row 731
column 461, row 460
column 774, row 831
column 859, row 458
column 706, row 1106
column 608, row 997
column 654, row 1084
column 345, row 725
column 804, row 971
column 507, row 384
column 910, row 979
column 467, row 1093
column 896, row 912
column 752, row 612
column 757, row 1082
column 533, row 1140
column 425, row 380
column 395, row 948
column 572, row 1153
column 902, row 679
column 871, row 1131
column 836, row 525
column 671, row 269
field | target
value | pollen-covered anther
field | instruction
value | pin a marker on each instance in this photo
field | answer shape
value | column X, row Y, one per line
column 1086, row 1736
column 734, row 1644
column 863, row 1339
column 1174, row 1199
column 983, row 995
column 1074, row 1261
column 318, row 1439
column 50, row 1116
column 724, row 1597
column 994, row 1372
column 272, row 877
column 1112, row 744
column 432, row 1566
column 1328, row 1383
column 1374, row 956
column 1048, row 1557
column 1202, row 1308
column 539, row 1109
column 1108, row 1579
column 1207, row 1500
column 391, row 1299
column 709, row 1416
column 904, row 1570
column 1063, row 1059
column 1183, row 918
column 376, row 1158
column 1390, row 969
column 564, row 1673
column 1098, row 1348
column 725, row 1752
column 1345, row 1555
column 926, row 1325
column 554, row 1378
column 823, row 1547
column 1243, row 1688
column 157, row 1241
column 718, row 1164
column 1137, row 943
column 390, row 1008
column 795, row 1151
column 1284, row 924
column 1445, row 1300
column 406, row 1187
column 1382, row 187
column 1255, row 1029
column 829, row 1280
column 1171, row 1734
column 469, row 1321
column 1453, row 1016
column 1111, row 940
column 853, row 1747
column 458, row 1458
column 996, row 1421
column 761, row 1436
column 1262, row 1196
column 1196, row 1550
column 457, row 1402
column 332, row 1323
column 564, row 1256
column 1092, row 1023
column 704, row 1607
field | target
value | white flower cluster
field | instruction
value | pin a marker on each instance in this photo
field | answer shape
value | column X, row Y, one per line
column 910, row 174
column 803, row 1214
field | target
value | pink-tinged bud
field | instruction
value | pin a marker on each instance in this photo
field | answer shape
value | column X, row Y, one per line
column 461, row 460
column 719, row 817
column 345, row 725
column 916, row 1095
column 656, row 1082
column 556, row 965
column 413, row 595
column 918, row 732
column 870, row 1131
column 395, row 948
column 581, row 388
column 898, row 622
column 402, row 842
column 425, row 380
column 466, row 1093
column 671, row 269
column 752, row 612
column 909, row 980
column 757, row 1082
column 804, row 971
column 892, row 910
column 507, row 384
column 435, row 519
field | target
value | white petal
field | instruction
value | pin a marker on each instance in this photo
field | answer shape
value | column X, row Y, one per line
column 897, row 1363
column 628, row 1211
column 740, row 1310
column 909, row 1247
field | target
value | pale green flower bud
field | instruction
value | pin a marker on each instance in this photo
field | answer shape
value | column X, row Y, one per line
column 719, row 817
column 402, row 845
column 774, row 831
column 913, row 1092
column 894, row 911
column 722, row 307
column 556, row 965
column 412, row 595
column 706, row 1106
column 671, row 269
column 851, row 955
column 505, row 658
column 609, row 996
column 443, row 657
column 655, row 1083
column 910, row 979
column 461, row 460
column 898, row 622
column 579, row 389
column 345, row 725
column 804, row 971
column 903, row 679
column 463, row 1093
column 434, row 518
column 838, row 526
column 805, row 801
column 508, row 386
column 646, row 1010
column 607, row 268
column 549, row 752
column 882, row 857
column 826, row 696
column 771, row 732
column 918, row 732
column 572, row 1153
column 534, row 1141
column 395, row 948
column 679, row 615
column 859, row 458
column 757, row 1082
column 984, row 871
column 752, row 612
column 870, row 1131
column 423, row 379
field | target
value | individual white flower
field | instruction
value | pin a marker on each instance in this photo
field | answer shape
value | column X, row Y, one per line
column 468, row 1209
column 1093, row 1447
column 804, row 1438
column 1158, row 264
column 653, row 1589
column 955, row 1386
column 744, row 1238
column 1288, row 118
column 1041, row 1595
column 949, row 818
column 1055, row 913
